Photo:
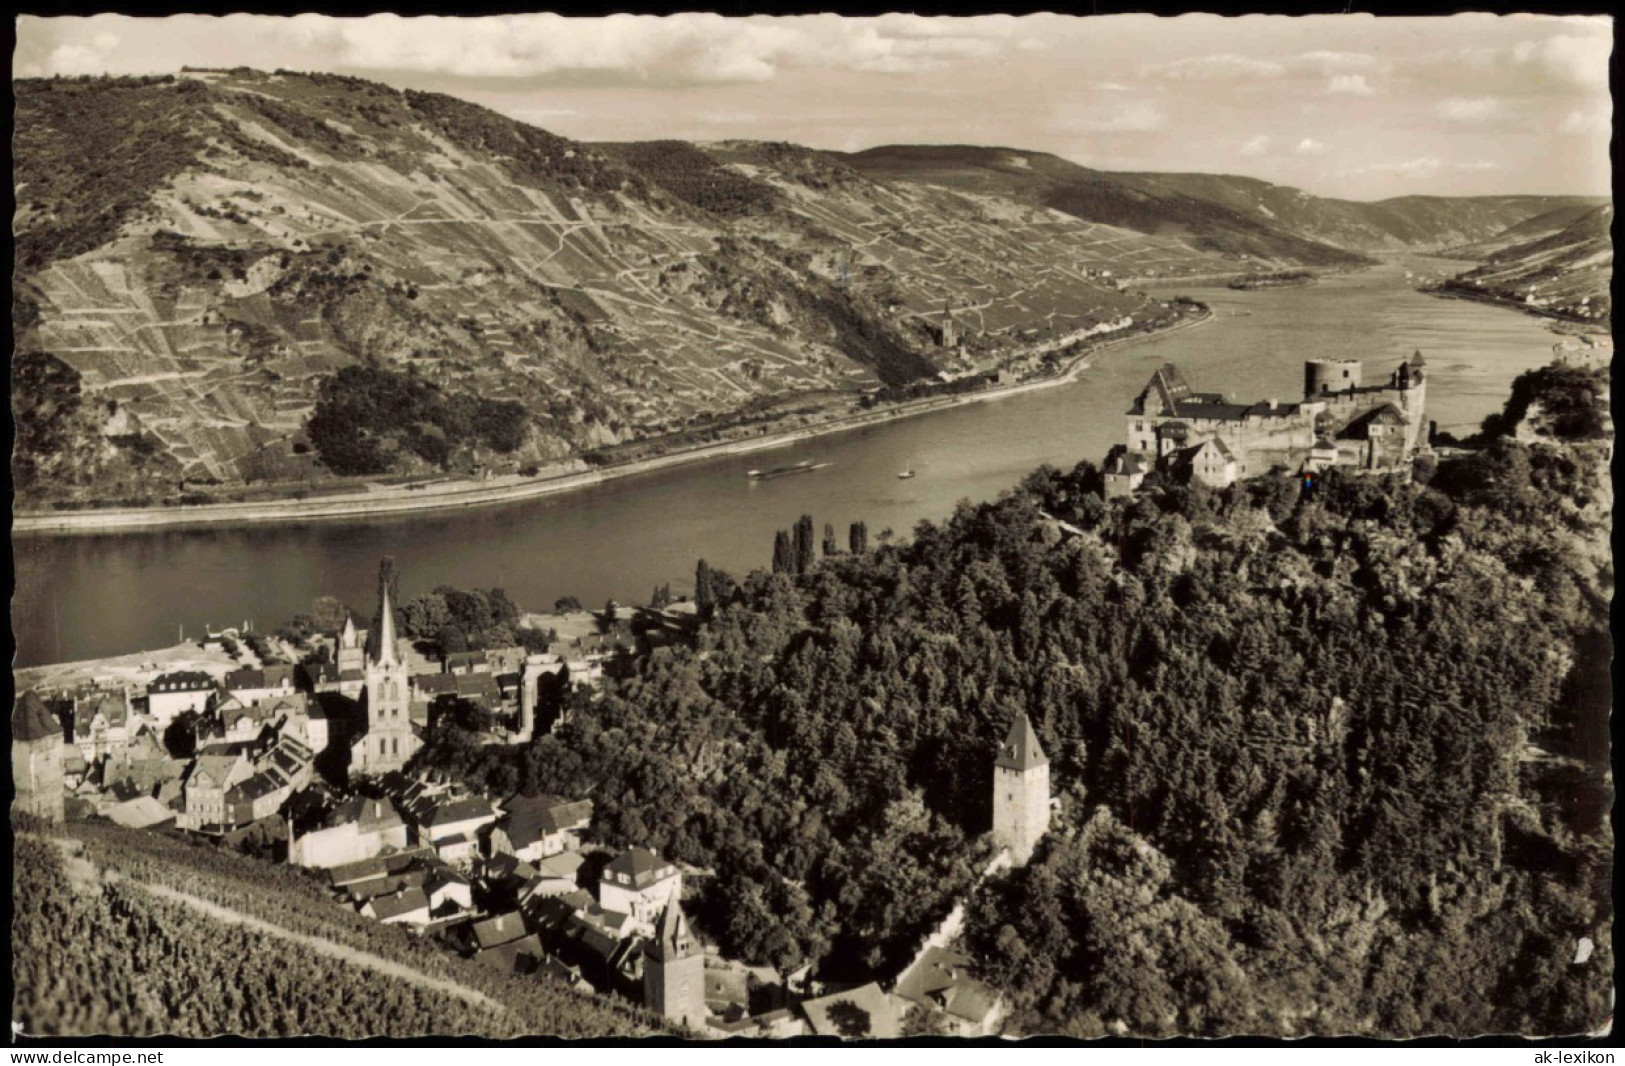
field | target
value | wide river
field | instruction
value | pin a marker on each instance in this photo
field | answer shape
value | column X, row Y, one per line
column 87, row 596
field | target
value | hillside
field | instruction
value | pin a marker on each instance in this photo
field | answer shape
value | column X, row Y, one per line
column 1126, row 201
column 1317, row 759
column 139, row 934
column 1224, row 213
column 1552, row 265
column 197, row 254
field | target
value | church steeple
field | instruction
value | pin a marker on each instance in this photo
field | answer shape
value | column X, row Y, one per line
column 347, row 636
column 383, row 633
column 384, row 653
column 674, row 970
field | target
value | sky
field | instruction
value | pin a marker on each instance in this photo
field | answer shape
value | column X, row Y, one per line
column 1350, row 106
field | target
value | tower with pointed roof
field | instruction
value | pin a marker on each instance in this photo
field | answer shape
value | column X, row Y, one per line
column 37, row 740
column 389, row 740
column 1020, row 791
column 674, row 970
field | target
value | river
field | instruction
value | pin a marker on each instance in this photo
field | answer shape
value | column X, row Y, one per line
column 87, row 596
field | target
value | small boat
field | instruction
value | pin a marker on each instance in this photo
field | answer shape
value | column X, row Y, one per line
column 905, row 475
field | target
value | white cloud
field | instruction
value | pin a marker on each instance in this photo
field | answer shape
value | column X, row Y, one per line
column 1328, row 63
column 1477, row 164
column 690, row 46
column 1580, row 60
column 1581, row 123
column 1463, row 109
column 71, row 59
column 1257, row 146
column 1421, row 167
column 1349, row 84
column 1134, row 118
column 1310, row 146
column 1214, row 68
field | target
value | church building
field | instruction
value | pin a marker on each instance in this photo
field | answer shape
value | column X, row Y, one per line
column 389, row 739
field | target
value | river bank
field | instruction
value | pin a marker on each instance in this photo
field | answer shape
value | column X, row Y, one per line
column 449, row 495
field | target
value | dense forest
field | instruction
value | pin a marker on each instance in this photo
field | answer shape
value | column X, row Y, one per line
column 1325, row 763
column 366, row 415
column 111, row 956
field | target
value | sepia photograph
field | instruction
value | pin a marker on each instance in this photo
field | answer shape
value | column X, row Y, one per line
column 879, row 529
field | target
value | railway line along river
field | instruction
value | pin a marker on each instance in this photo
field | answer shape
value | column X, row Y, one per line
column 81, row 597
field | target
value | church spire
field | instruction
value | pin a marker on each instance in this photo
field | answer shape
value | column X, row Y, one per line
column 347, row 636
column 383, row 637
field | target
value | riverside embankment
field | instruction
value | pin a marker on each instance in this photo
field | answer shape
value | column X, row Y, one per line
column 454, row 494
column 86, row 597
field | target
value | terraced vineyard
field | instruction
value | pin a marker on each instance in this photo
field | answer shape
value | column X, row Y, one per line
column 307, row 223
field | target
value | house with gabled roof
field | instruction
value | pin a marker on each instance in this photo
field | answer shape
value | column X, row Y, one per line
column 357, row 829
column 638, row 882
column 205, row 789
column 406, row 906
column 862, row 1013
column 940, row 981
column 534, row 827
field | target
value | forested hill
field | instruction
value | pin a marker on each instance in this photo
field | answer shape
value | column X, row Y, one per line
column 1221, row 212
column 198, row 255
column 1334, row 764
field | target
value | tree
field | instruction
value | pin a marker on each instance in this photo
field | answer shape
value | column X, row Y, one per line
column 566, row 604
column 327, row 614
column 830, row 545
column 858, row 537
column 784, row 557
column 803, row 558
column 704, row 595
column 850, row 1020
column 180, row 737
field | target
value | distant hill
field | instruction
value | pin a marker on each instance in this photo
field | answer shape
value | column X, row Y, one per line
column 1218, row 212
column 197, row 253
column 1135, row 202
column 1565, row 272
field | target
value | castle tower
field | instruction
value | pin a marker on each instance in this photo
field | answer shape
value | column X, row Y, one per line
column 674, row 971
column 36, row 758
column 1321, row 376
column 950, row 335
column 1412, row 379
column 390, row 740
column 1020, row 792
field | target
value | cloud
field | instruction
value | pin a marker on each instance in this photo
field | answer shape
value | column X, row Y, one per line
column 1463, row 109
column 1349, row 84
column 1310, row 146
column 1214, row 68
column 1328, row 63
column 1580, row 60
column 1420, row 167
column 699, row 47
column 1477, row 164
column 1129, row 118
column 1257, row 146
column 71, row 59
column 1581, row 123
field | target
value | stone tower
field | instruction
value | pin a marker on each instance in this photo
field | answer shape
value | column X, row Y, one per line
column 1412, row 380
column 389, row 741
column 1020, row 792
column 674, row 971
column 36, row 758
